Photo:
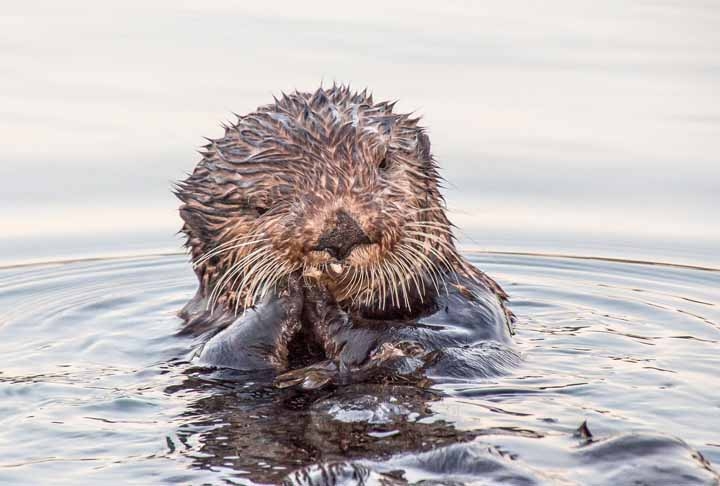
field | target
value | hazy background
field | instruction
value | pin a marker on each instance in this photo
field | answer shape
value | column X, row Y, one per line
column 569, row 126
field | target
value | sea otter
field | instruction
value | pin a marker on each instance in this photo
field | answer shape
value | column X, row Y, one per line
column 323, row 251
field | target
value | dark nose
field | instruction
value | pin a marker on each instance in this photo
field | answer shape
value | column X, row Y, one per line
column 344, row 235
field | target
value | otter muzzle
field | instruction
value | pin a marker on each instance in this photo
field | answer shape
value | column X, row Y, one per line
column 344, row 235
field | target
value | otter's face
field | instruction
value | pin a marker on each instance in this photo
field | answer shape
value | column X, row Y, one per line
column 328, row 184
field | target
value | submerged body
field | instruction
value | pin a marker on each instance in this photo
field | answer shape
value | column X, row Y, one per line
column 323, row 251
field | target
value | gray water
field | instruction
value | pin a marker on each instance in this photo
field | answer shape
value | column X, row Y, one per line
column 96, row 389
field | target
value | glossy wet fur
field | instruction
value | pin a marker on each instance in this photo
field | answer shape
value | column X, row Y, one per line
column 317, row 228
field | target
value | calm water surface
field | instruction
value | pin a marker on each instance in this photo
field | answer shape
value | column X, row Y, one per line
column 94, row 387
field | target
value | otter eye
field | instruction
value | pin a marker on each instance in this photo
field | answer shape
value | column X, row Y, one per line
column 384, row 163
column 255, row 206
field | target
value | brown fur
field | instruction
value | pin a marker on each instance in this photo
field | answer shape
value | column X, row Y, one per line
column 262, row 195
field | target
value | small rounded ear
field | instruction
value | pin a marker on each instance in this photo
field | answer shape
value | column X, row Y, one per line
column 424, row 146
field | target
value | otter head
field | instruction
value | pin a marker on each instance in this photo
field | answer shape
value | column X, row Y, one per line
column 329, row 185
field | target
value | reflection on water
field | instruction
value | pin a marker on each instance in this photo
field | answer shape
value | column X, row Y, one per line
column 95, row 388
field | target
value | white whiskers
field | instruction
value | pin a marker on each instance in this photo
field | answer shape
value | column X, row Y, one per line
column 422, row 259
column 255, row 271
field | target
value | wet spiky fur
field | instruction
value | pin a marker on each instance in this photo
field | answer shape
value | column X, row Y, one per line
column 260, row 197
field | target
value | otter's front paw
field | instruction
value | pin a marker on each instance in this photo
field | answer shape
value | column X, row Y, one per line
column 401, row 361
column 311, row 377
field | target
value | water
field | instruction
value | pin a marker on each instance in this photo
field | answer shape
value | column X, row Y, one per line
column 571, row 128
column 95, row 388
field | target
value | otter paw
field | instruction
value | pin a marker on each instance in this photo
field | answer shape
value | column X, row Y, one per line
column 401, row 349
column 401, row 361
column 311, row 377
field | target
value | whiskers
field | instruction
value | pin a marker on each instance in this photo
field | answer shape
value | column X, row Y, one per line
column 255, row 270
column 421, row 260
column 228, row 246
column 419, row 263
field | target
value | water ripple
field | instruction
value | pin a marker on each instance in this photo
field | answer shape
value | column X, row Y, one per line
column 93, row 386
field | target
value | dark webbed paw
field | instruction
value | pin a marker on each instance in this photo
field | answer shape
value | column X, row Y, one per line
column 356, row 351
column 258, row 338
